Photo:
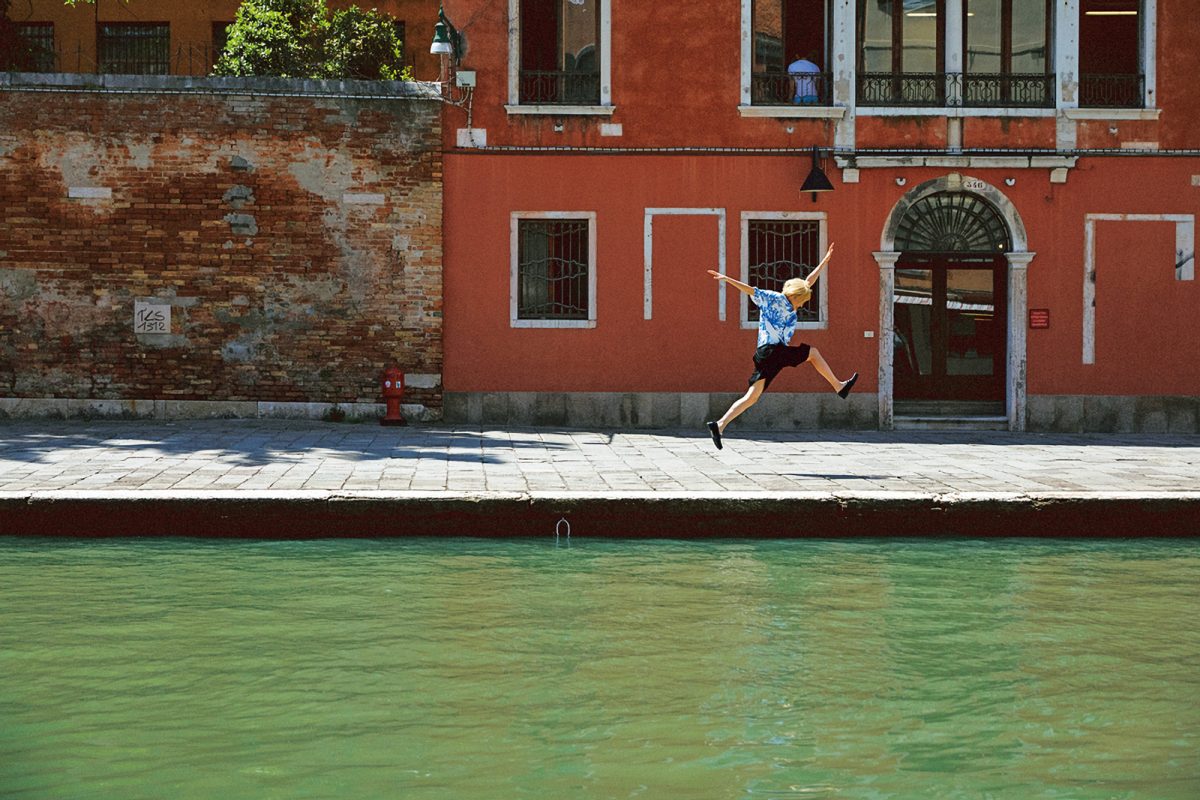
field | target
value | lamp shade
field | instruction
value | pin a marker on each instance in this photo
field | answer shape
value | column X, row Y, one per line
column 816, row 181
column 441, row 40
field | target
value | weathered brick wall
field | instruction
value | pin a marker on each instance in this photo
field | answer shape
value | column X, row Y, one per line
column 295, row 233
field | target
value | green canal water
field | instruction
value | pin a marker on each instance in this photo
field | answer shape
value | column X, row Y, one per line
column 607, row 669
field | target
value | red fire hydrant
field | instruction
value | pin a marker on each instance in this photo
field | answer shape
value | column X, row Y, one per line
column 393, row 391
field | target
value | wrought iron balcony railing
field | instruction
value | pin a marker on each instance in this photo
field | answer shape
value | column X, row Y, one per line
column 1111, row 91
column 560, row 88
column 1006, row 91
column 904, row 89
column 781, row 88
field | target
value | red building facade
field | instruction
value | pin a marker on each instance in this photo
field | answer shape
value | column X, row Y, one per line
column 1015, row 185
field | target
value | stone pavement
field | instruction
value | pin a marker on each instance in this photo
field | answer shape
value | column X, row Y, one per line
column 281, row 478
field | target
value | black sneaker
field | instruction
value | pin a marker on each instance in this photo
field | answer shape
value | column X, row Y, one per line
column 845, row 390
column 715, row 430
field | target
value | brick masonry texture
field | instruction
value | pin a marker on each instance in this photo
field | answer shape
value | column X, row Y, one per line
column 297, row 240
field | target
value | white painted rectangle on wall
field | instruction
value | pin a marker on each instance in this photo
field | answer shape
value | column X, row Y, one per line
column 89, row 193
column 151, row 317
column 362, row 198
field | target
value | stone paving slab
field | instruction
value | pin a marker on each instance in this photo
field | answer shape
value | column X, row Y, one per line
column 56, row 474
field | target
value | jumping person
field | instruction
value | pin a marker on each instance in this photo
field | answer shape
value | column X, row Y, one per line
column 776, row 324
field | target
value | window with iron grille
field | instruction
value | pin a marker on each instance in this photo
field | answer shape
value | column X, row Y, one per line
column 901, row 52
column 1006, row 53
column 560, row 52
column 134, row 48
column 39, row 39
column 553, row 273
column 789, row 63
column 781, row 247
column 1112, row 71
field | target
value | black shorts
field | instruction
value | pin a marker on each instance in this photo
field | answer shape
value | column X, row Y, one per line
column 771, row 358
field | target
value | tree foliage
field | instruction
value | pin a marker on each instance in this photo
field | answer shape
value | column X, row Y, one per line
column 363, row 45
column 300, row 39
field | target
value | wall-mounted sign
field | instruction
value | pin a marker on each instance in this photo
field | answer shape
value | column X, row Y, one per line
column 974, row 185
column 151, row 318
column 1039, row 318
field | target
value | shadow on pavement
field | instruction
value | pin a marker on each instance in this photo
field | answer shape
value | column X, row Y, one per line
column 261, row 443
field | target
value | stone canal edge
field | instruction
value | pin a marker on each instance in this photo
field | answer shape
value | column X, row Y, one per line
column 314, row 514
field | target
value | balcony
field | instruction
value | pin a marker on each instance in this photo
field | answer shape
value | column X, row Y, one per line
column 565, row 88
column 940, row 90
column 780, row 88
column 1004, row 91
column 912, row 89
column 1111, row 91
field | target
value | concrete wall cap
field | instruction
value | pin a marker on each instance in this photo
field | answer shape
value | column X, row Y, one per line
column 389, row 90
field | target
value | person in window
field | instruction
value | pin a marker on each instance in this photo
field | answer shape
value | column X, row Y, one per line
column 807, row 76
column 776, row 324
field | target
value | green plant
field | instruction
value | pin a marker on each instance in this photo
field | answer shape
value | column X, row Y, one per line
column 299, row 39
column 363, row 45
column 281, row 38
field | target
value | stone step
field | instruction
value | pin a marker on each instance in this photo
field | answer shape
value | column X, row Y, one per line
column 948, row 423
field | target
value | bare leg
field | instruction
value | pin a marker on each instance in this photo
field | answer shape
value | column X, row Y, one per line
column 742, row 403
column 818, row 361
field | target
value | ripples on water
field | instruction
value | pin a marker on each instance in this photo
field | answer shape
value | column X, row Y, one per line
column 485, row 669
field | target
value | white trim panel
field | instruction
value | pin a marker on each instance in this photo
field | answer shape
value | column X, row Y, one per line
column 562, row 111
column 1185, row 263
column 648, row 253
column 793, row 112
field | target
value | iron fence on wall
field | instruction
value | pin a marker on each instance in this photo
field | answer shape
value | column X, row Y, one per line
column 178, row 60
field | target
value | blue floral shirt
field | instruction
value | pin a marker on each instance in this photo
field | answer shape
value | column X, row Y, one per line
column 776, row 317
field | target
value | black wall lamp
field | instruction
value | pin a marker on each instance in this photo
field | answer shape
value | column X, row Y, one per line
column 816, row 181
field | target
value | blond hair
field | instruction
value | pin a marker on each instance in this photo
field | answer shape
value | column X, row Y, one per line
column 798, row 290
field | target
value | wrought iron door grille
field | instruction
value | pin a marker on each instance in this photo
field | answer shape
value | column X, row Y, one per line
column 132, row 48
column 780, row 250
column 567, row 88
column 952, row 222
column 552, row 269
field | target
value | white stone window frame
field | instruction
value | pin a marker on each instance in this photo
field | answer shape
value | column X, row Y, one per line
column 822, row 218
column 514, row 270
column 1066, row 49
column 514, row 105
column 745, row 106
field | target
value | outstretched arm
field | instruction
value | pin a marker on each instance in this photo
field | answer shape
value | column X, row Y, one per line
column 816, row 273
column 741, row 287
